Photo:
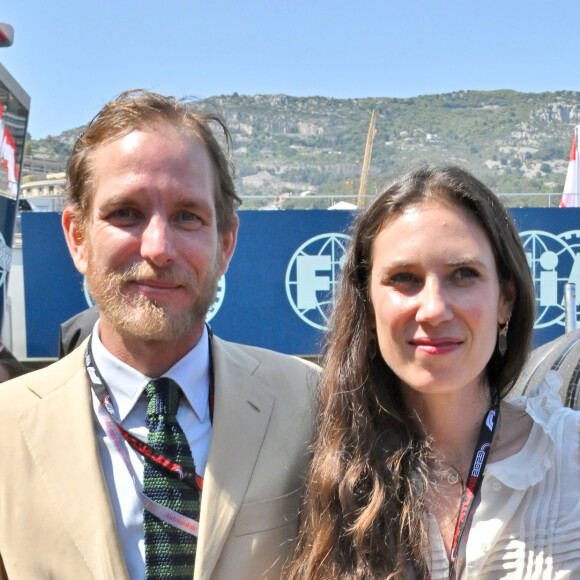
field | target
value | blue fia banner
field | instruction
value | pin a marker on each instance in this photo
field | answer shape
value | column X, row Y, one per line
column 278, row 289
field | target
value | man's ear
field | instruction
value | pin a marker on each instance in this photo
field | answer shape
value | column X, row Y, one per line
column 227, row 246
column 75, row 239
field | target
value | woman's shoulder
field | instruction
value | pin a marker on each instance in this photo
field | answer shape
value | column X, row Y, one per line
column 544, row 405
column 552, row 441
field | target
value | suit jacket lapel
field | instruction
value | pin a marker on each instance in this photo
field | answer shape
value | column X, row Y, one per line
column 59, row 431
column 243, row 406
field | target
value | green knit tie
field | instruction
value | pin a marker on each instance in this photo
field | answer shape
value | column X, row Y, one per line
column 169, row 552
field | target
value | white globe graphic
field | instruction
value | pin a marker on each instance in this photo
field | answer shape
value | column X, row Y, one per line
column 551, row 260
column 311, row 277
column 87, row 294
column 213, row 309
column 219, row 298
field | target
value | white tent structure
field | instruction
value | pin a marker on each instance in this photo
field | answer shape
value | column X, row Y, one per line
column 343, row 205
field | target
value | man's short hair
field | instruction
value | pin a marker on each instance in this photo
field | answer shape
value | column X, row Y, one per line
column 139, row 109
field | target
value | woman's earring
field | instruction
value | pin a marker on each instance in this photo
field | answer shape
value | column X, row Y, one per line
column 502, row 336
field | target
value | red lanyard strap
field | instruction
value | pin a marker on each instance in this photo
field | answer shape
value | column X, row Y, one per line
column 473, row 485
column 164, row 513
column 99, row 387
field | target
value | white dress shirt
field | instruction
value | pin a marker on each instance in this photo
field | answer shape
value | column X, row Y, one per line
column 127, row 389
column 528, row 523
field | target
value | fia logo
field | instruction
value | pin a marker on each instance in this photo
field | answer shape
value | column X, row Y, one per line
column 213, row 309
column 554, row 260
column 311, row 277
column 5, row 259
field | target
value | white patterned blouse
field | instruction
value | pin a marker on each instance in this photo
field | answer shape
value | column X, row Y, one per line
column 528, row 523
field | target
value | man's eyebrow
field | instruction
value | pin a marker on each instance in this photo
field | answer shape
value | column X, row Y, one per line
column 117, row 199
column 189, row 202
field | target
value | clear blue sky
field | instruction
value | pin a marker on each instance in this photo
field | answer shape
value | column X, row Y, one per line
column 73, row 56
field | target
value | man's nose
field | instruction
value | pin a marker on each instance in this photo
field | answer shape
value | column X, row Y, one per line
column 157, row 244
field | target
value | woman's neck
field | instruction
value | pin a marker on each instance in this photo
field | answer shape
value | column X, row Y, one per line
column 452, row 421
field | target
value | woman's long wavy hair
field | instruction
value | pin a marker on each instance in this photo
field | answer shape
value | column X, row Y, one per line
column 364, row 515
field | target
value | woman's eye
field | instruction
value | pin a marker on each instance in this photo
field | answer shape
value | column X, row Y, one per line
column 465, row 274
column 403, row 278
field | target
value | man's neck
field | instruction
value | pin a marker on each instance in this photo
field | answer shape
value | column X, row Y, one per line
column 152, row 358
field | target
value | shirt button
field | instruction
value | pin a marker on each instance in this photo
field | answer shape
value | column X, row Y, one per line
column 496, row 486
column 485, row 547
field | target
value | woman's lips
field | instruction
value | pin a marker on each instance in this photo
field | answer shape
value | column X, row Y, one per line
column 441, row 345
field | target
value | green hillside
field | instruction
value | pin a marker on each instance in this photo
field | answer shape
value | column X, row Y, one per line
column 287, row 146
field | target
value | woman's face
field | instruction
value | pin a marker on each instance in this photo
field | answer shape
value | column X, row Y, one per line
column 436, row 298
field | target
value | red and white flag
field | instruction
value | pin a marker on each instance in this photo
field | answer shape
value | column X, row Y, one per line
column 571, row 195
column 8, row 155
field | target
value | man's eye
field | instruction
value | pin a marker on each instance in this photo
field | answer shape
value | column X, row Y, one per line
column 189, row 219
column 123, row 216
column 122, row 213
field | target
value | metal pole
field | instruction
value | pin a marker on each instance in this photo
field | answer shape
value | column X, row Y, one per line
column 570, row 306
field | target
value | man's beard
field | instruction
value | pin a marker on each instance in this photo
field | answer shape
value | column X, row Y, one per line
column 140, row 317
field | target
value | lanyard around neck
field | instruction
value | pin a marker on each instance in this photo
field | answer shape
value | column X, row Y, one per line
column 472, row 486
column 165, row 514
column 172, row 468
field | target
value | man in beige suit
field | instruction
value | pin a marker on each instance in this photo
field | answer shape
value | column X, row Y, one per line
column 151, row 221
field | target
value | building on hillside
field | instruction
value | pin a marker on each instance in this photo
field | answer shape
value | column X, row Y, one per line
column 53, row 185
column 44, row 194
column 36, row 165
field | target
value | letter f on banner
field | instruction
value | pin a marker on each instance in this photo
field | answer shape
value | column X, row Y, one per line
column 308, row 283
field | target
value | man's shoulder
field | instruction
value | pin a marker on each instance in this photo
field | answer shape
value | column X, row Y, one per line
column 292, row 379
column 28, row 388
column 263, row 357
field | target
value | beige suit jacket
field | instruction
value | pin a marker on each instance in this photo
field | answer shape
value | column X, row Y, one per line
column 56, row 519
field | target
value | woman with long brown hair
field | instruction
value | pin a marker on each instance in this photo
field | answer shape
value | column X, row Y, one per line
column 417, row 450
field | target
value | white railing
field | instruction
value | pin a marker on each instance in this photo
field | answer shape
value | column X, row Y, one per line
column 318, row 201
column 272, row 201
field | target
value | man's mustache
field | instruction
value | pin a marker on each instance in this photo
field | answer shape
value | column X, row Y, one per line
column 143, row 272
